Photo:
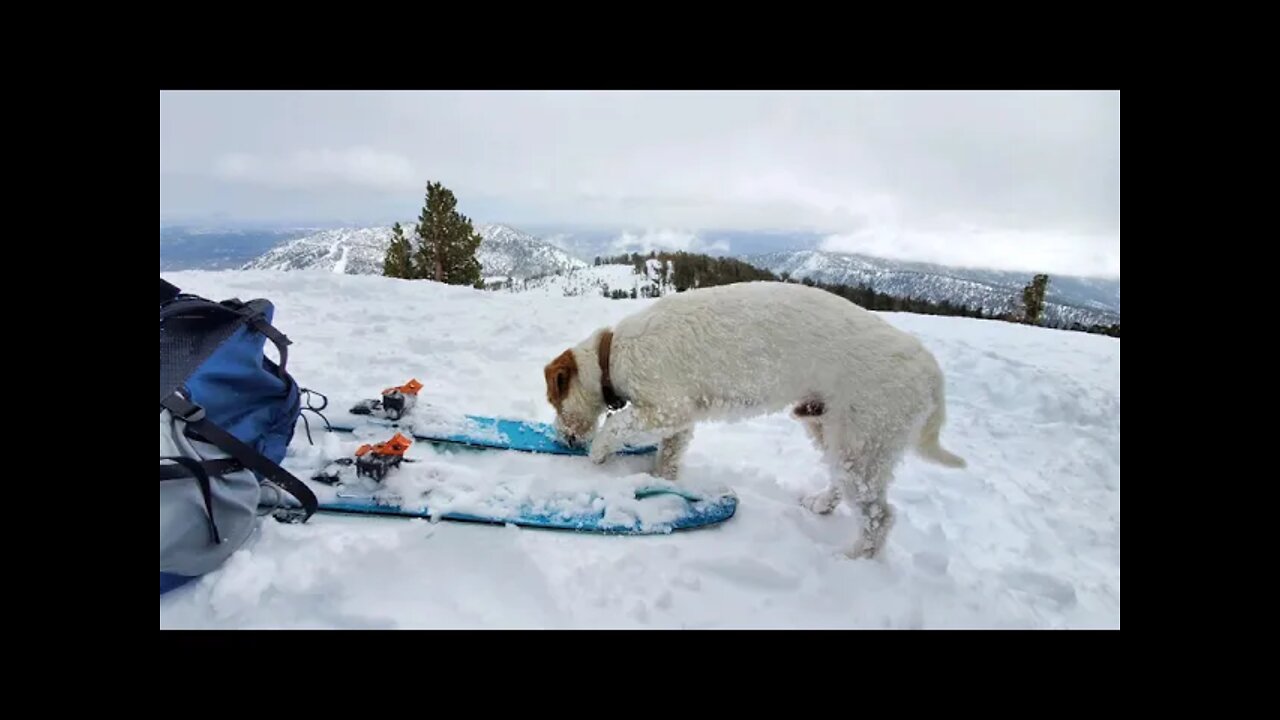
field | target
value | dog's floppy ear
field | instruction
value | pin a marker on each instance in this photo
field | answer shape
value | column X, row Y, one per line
column 559, row 373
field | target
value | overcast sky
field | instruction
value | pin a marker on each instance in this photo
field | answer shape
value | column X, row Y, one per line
column 1022, row 181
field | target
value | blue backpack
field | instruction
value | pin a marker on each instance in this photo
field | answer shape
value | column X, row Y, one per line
column 227, row 415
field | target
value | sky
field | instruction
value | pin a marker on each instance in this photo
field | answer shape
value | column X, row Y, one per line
column 1026, row 181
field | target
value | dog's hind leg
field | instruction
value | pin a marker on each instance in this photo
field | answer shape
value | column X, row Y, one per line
column 813, row 407
column 878, row 516
column 868, row 489
column 810, row 414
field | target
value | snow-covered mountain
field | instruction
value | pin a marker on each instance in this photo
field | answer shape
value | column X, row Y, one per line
column 1069, row 299
column 504, row 252
column 518, row 261
column 507, row 252
column 354, row 251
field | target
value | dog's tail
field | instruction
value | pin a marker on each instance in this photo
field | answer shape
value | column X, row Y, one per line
column 929, row 446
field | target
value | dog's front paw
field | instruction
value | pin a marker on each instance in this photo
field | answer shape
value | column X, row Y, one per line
column 599, row 452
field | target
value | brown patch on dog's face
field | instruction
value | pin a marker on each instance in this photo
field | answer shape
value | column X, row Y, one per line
column 559, row 373
column 577, row 408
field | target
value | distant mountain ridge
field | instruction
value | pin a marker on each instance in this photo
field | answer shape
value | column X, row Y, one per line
column 507, row 253
column 504, row 252
column 1069, row 299
column 201, row 248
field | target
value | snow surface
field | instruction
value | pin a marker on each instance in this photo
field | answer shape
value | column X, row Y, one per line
column 1028, row 536
column 591, row 280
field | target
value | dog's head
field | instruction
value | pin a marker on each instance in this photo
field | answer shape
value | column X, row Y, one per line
column 573, row 389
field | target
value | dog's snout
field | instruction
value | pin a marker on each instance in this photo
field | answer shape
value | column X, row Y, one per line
column 566, row 436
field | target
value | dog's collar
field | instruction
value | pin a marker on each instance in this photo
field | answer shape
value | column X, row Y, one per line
column 606, row 386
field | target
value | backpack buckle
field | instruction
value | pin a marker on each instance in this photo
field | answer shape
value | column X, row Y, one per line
column 184, row 409
column 290, row 515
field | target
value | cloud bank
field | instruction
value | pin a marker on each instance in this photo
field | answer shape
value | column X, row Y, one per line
column 1022, row 180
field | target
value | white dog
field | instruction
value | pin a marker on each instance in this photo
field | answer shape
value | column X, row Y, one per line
column 865, row 391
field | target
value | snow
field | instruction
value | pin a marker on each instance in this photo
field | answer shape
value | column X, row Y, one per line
column 592, row 280
column 653, row 269
column 1028, row 536
column 340, row 267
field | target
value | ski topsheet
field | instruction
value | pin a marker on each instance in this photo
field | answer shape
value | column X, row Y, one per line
column 649, row 510
column 638, row 506
column 431, row 424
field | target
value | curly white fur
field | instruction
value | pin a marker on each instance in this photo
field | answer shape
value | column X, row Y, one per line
column 865, row 391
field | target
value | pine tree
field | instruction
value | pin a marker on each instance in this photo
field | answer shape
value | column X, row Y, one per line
column 464, row 242
column 428, row 258
column 1033, row 299
column 398, row 263
column 447, row 242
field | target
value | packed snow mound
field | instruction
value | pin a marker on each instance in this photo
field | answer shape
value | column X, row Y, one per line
column 1027, row 536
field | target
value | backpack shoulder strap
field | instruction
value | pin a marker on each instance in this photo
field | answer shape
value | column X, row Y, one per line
column 195, row 417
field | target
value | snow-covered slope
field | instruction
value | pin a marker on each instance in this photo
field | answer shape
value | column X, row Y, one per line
column 1028, row 536
column 1069, row 299
column 503, row 252
column 511, row 253
column 591, row 280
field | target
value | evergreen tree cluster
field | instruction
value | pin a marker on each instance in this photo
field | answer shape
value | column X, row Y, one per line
column 444, row 244
column 693, row 270
column 872, row 300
